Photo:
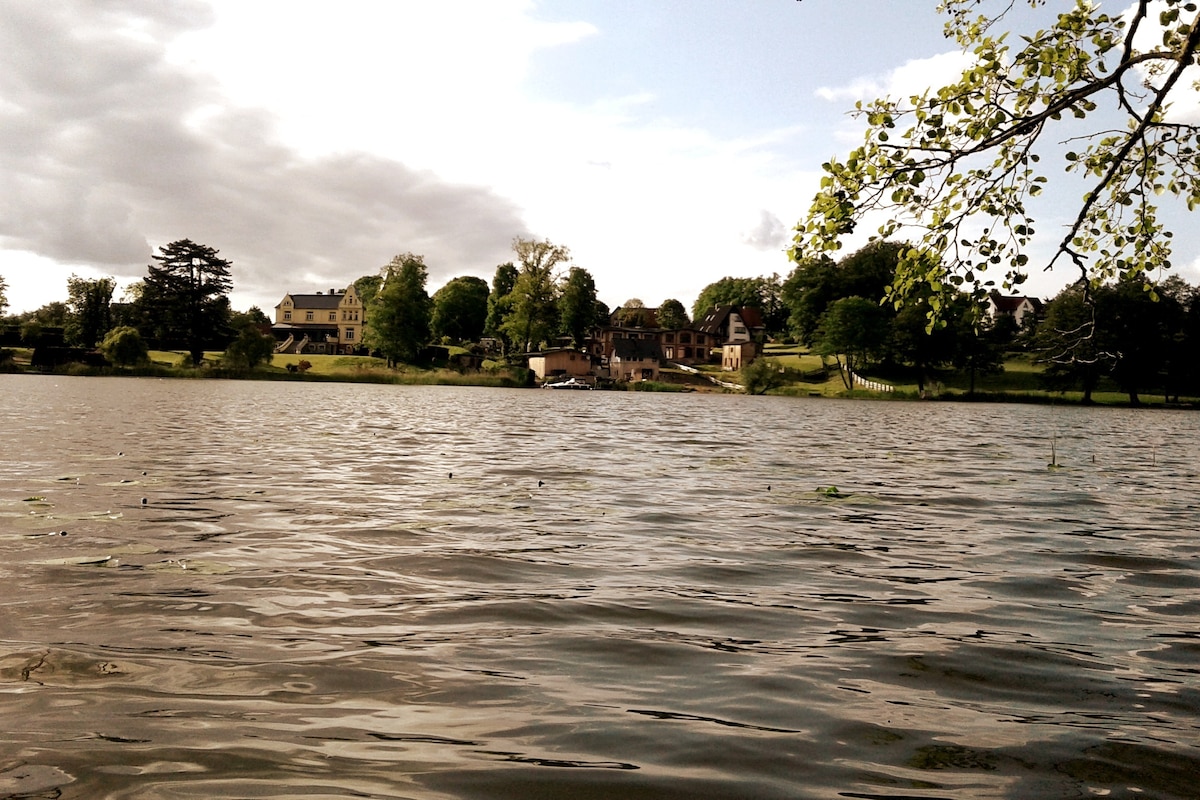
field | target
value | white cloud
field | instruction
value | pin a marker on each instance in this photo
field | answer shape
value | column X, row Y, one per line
column 769, row 234
column 1185, row 96
column 311, row 146
column 913, row 77
column 108, row 150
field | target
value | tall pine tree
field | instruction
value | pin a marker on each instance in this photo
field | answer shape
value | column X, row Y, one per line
column 186, row 297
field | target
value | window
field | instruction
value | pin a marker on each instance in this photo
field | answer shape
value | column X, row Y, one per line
column 287, row 315
column 349, row 333
column 668, row 337
column 308, row 315
column 685, row 338
column 739, row 329
column 333, row 316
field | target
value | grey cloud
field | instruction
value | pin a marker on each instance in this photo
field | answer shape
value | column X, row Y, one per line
column 107, row 150
column 769, row 234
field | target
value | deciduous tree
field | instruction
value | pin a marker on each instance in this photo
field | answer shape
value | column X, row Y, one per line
column 251, row 348
column 761, row 375
column 819, row 282
column 254, row 316
column 1067, row 344
column 90, row 315
column 534, row 315
column 398, row 318
column 500, row 303
column 1132, row 325
column 124, row 347
column 633, row 314
column 1181, row 350
column 577, row 305
column 460, row 309
column 958, row 169
column 727, row 291
column 854, row 331
column 672, row 315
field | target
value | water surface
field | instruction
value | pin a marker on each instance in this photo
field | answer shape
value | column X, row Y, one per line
column 237, row 589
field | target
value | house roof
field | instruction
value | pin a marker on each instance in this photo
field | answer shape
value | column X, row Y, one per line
column 636, row 349
column 1008, row 304
column 751, row 316
column 552, row 350
column 306, row 327
column 714, row 321
column 649, row 317
column 314, row 301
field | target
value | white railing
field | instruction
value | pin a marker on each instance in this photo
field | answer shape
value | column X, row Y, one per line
column 694, row 371
column 874, row 386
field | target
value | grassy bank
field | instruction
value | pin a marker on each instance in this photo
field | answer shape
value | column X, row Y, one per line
column 804, row 376
column 1021, row 381
column 350, row 369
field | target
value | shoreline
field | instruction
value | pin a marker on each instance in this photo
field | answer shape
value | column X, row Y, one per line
column 507, row 379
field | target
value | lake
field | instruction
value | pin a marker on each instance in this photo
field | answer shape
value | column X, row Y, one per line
column 235, row 589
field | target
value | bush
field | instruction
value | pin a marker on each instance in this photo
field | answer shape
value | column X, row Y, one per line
column 124, row 347
column 762, row 375
column 251, row 348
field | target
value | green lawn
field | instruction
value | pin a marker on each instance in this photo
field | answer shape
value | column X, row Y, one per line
column 1019, row 380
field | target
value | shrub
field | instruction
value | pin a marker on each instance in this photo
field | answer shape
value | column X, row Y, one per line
column 124, row 347
column 761, row 375
column 251, row 348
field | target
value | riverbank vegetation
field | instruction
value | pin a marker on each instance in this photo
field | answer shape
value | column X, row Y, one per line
column 819, row 332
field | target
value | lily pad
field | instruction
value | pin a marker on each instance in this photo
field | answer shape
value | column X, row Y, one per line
column 80, row 561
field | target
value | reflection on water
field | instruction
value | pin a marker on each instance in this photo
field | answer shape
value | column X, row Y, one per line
column 235, row 589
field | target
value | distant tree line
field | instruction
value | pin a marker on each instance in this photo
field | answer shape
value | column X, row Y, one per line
column 1137, row 336
column 531, row 302
column 181, row 304
column 1128, row 333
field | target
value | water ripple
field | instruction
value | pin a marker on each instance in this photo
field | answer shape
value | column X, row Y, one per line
column 393, row 592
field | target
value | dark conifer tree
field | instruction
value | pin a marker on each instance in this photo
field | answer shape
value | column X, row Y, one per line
column 186, row 297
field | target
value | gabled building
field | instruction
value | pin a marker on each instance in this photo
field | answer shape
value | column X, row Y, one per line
column 634, row 360
column 726, row 324
column 560, row 362
column 1018, row 307
column 330, row 323
column 686, row 346
column 735, row 355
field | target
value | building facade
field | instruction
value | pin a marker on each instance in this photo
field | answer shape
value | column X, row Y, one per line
column 330, row 323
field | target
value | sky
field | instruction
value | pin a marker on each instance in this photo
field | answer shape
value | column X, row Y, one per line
column 666, row 143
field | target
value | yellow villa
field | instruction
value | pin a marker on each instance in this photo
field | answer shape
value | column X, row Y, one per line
column 320, row 323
